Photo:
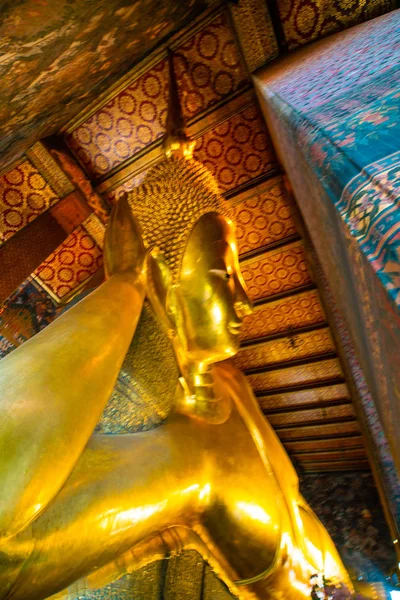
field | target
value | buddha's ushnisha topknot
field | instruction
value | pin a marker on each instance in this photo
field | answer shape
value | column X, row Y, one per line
column 170, row 201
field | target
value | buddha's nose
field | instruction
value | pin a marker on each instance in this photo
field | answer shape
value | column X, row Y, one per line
column 243, row 305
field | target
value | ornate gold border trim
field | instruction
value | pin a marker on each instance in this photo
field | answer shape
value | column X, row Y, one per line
column 255, row 32
column 41, row 158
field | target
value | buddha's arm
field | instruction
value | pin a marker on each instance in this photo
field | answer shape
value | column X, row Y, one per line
column 123, row 489
column 53, row 391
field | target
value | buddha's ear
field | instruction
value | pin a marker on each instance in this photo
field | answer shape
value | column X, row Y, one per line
column 159, row 289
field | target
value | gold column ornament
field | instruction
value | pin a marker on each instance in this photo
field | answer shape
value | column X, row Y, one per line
column 213, row 476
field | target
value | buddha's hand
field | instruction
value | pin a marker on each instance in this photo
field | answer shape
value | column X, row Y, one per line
column 123, row 245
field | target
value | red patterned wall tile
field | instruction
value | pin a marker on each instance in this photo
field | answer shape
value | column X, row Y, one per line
column 24, row 195
column 262, row 215
column 238, row 150
column 276, row 272
column 208, row 69
column 125, row 125
column 70, row 265
column 283, row 315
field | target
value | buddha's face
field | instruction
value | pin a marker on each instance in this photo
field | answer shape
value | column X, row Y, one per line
column 211, row 296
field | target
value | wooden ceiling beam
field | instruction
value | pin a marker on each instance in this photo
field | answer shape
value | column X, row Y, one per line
column 316, row 451
column 282, row 335
column 263, row 250
column 338, row 421
column 286, row 294
column 288, row 364
column 300, row 388
column 229, row 194
column 324, row 438
column 277, row 26
column 348, row 465
column 308, row 406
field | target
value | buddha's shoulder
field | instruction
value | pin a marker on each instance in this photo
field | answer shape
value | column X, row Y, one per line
column 236, row 382
column 227, row 371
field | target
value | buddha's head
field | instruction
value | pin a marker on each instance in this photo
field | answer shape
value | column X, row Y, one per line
column 195, row 284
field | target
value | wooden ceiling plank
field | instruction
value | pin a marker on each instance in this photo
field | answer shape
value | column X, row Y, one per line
column 299, row 388
column 337, row 421
column 291, row 363
column 282, row 335
column 248, row 185
column 286, row 294
column 310, row 406
column 318, row 430
column 348, row 465
column 302, row 454
column 263, row 250
column 352, row 440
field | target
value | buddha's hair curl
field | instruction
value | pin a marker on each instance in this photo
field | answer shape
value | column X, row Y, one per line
column 170, row 201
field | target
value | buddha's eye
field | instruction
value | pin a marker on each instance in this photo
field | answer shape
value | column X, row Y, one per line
column 221, row 273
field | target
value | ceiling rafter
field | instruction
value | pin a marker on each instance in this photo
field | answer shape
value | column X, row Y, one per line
column 281, row 336
column 310, row 406
column 300, row 362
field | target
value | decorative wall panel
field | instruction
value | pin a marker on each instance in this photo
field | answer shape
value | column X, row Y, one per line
column 125, row 125
column 262, row 215
column 238, row 150
column 291, row 376
column 302, row 345
column 308, row 416
column 24, row 194
column 70, row 265
column 208, row 68
column 305, row 21
column 26, row 312
column 333, row 429
column 276, row 272
column 312, row 396
column 283, row 315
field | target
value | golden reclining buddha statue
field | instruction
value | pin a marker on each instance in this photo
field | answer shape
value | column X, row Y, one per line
column 213, row 475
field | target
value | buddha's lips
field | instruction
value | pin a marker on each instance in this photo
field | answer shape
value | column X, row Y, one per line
column 235, row 327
